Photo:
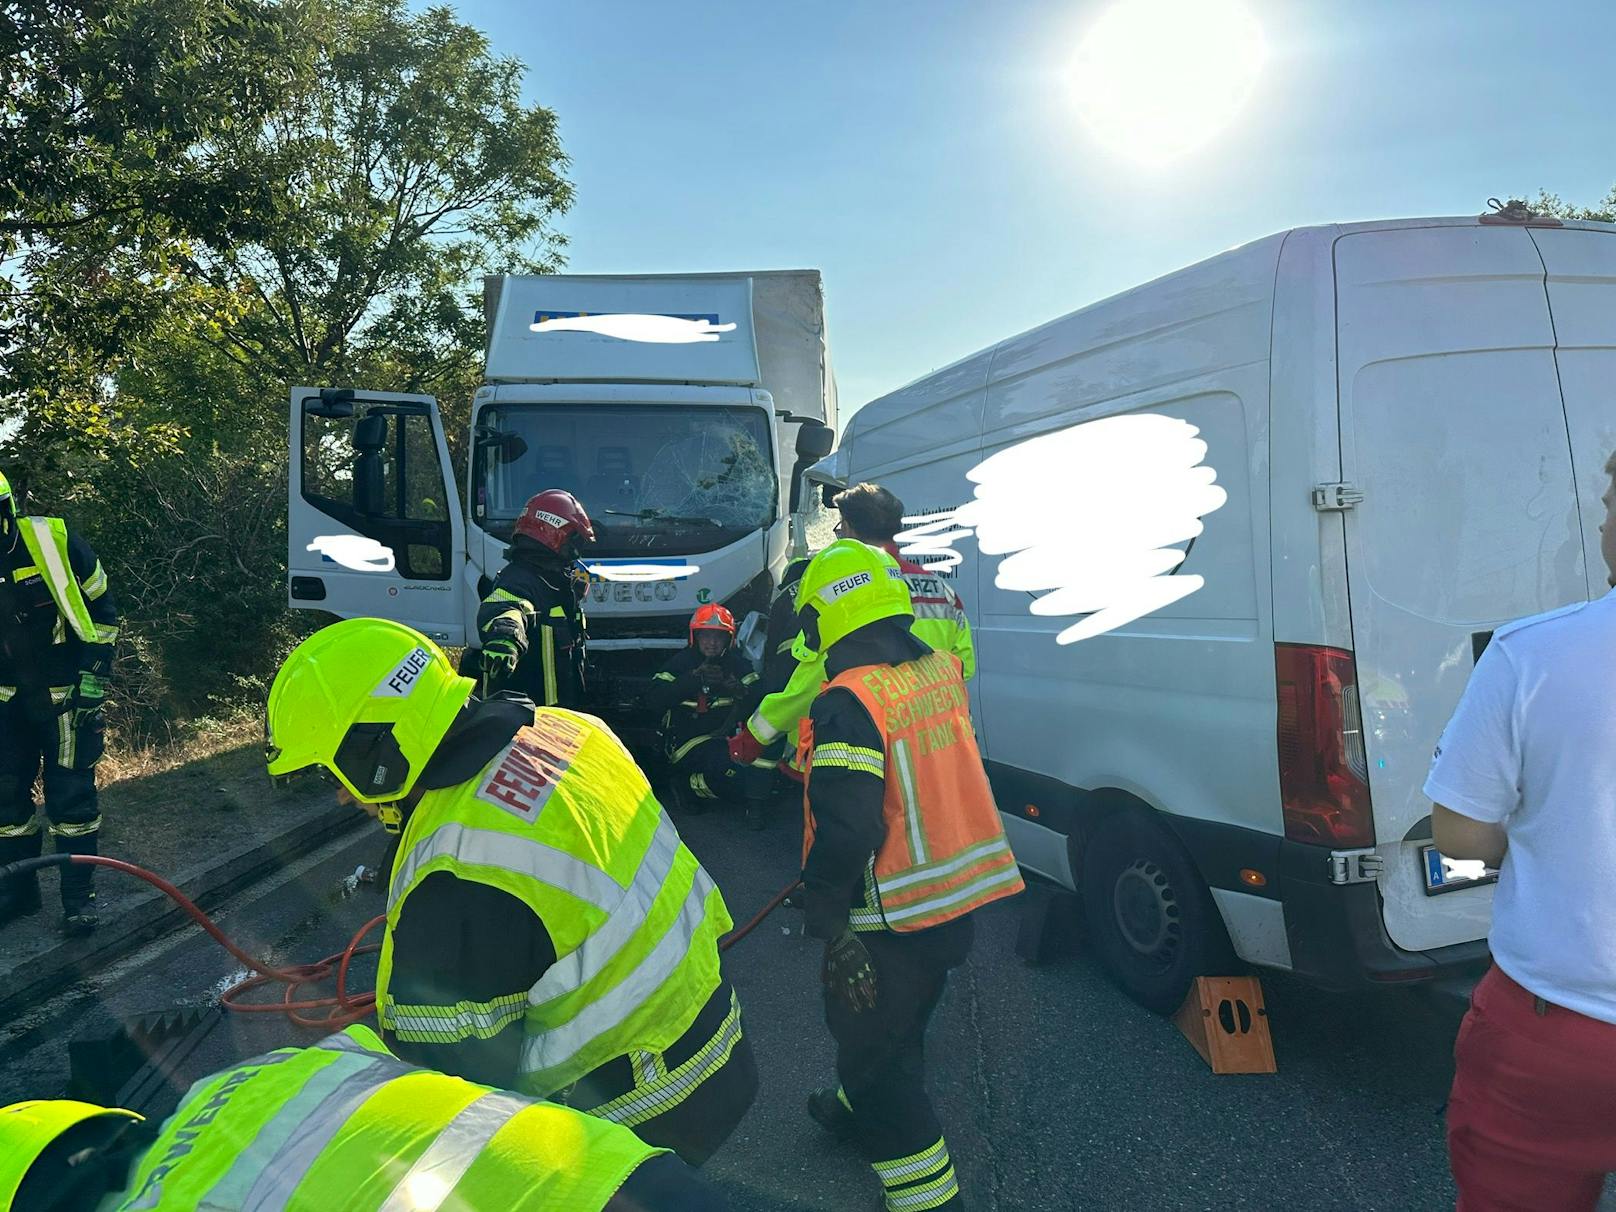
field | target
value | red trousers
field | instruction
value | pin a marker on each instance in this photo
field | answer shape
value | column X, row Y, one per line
column 1532, row 1115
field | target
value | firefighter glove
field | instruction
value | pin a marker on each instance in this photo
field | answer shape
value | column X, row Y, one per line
column 499, row 658
column 848, row 974
column 88, row 698
column 744, row 748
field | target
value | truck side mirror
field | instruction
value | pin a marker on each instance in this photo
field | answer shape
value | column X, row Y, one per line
column 502, row 446
column 370, row 434
column 814, row 441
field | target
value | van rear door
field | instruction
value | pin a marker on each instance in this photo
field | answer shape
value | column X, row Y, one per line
column 374, row 527
column 1452, row 427
column 1581, row 267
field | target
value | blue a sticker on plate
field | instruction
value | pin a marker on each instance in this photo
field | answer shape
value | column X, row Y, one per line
column 1449, row 875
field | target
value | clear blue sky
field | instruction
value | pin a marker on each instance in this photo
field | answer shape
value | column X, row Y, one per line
column 924, row 154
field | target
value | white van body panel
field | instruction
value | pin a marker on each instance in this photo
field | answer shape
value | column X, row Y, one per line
column 1414, row 360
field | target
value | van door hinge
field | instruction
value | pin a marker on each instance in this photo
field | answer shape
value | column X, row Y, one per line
column 1330, row 498
column 1355, row 866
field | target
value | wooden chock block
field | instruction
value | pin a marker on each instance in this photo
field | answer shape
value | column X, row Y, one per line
column 1224, row 1017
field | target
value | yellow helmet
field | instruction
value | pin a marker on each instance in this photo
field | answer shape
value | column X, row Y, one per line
column 367, row 700
column 846, row 586
column 28, row 1129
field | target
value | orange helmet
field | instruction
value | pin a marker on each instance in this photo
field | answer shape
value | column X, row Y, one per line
column 711, row 617
column 554, row 518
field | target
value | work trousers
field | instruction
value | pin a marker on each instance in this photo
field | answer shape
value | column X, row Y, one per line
column 880, row 1059
column 31, row 743
column 709, row 774
column 1532, row 1113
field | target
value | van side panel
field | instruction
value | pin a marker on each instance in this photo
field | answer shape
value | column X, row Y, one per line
column 1177, row 708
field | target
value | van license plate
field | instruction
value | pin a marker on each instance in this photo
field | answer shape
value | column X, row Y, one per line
column 1449, row 875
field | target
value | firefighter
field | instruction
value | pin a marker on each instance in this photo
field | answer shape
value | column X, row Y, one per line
column 58, row 628
column 342, row 1124
column 547, row 929
column 873, row 515
column 531, row 625
column 902, row 843
column 698, row 697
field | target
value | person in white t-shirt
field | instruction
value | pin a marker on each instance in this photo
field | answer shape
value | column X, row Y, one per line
column 1524, row 778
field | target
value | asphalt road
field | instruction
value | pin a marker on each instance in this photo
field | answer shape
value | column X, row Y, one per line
column 1056, row 1091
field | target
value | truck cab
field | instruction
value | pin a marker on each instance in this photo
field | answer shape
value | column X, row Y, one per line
column 685, row 447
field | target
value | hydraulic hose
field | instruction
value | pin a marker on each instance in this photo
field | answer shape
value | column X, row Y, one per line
column 341, row 1010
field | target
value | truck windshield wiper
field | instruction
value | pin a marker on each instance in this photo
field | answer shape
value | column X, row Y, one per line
column 656, row 515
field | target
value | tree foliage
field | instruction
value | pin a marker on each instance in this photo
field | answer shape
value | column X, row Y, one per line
column 392, row 164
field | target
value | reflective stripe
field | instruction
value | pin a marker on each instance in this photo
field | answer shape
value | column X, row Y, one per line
column 267, row 1170
column 63, row 584
column 75, row 830
column 761, row 729
column 505, row 595
column 587, row 961
column 939, row 871
column 7, row 693
column 67, row 741
column 921, row 1198
column 558, row 612
column 904, row 763
column 105, row 635
column 433, row 1176
column 664, row 676
column 667, row 1089
column 850, row 757
column 913, row 1166
column 27, row 829
column 508, row 852
column 96, row 585
column 981, row 885
column 451, row 1024
column 552, row 1048
column 680, row 753
column 548, row 658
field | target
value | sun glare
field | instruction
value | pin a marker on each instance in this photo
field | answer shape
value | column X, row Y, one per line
column 1156, row 79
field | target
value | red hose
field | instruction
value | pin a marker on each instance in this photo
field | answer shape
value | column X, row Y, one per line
column 342, row 1009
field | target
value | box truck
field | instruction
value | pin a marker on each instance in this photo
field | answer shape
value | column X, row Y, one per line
column 1410, row 420
column 685, row 452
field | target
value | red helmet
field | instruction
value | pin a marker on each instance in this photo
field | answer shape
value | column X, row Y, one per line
column 553, row 518
column 711, row 618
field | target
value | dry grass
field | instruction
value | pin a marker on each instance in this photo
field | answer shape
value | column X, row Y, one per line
column 121, row 764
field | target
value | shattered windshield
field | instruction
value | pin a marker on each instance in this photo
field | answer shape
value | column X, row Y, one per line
column 653, row 478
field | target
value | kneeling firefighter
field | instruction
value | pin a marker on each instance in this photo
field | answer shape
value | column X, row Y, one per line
column 698, row 697
column 340, row 1125
column 902, row 842
column 547, row 929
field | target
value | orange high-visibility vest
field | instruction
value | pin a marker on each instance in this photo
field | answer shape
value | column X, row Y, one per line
column 945, row 852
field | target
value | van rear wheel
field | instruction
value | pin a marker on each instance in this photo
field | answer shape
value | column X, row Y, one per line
column 1149, row 913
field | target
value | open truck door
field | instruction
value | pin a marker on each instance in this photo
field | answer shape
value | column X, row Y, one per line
column 374, row 526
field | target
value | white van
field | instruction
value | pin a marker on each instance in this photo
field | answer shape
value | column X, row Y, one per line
column 1410, row 419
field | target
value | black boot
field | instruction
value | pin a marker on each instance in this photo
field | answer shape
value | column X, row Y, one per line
column 78, row 892
column 826, row 1109
column 19, row 896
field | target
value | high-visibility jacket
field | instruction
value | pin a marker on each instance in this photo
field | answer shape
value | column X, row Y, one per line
column 940, row 623
column 46, row 540
column 563, row 820
column 945, row 852
column 345, row 1124
column 940, row 620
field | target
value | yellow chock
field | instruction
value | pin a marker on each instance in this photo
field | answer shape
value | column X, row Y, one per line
column 1225, row 1019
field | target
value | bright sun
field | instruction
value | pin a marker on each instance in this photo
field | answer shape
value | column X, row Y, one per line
column 1156, row 79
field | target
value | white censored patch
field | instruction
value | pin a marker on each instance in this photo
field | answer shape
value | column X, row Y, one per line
column 1089, row 517
column 354, row 552
column 629, row 326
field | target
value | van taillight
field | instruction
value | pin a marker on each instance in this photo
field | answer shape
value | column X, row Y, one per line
column 1323, row 771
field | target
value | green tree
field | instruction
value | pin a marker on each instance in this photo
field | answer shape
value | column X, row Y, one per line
column 402, row 165
column 1553, row 204
column 111, row 119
